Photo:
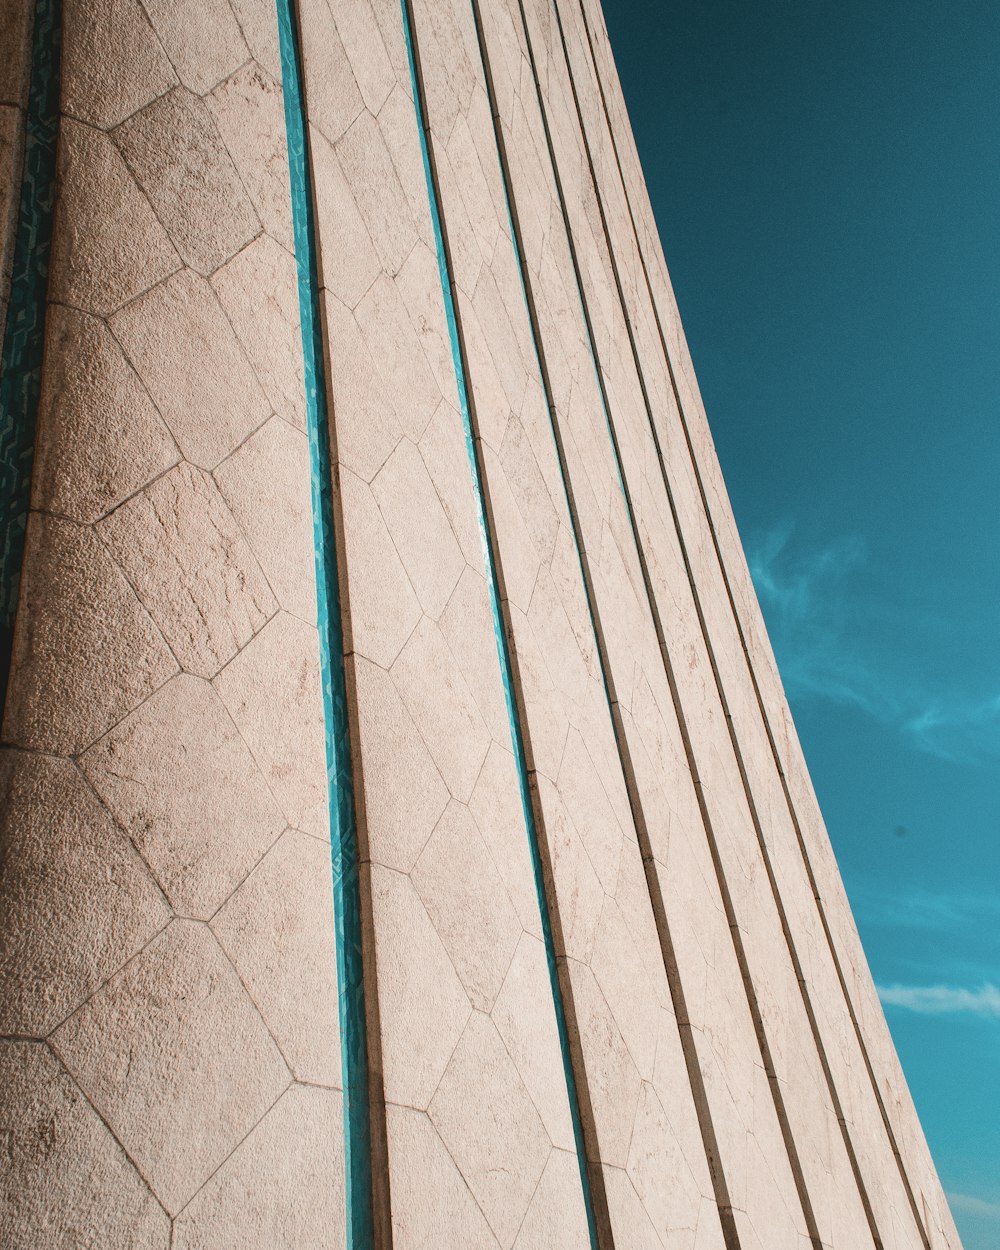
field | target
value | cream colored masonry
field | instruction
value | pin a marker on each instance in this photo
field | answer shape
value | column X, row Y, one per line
column 170, row 1064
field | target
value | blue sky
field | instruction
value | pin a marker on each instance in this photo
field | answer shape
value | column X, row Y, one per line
column 826, row 179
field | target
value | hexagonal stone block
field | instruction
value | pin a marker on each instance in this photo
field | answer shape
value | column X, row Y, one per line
column 182, row 783
column 65, row 1180
column 282, row 1186
column 76, row 902
column 278, row 929
column 176, row 1058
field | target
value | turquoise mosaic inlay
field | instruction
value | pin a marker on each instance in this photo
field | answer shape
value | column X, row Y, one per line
column 24, row 333
column 343, row 826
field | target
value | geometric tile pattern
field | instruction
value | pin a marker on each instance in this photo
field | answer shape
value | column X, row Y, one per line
column 595, row 930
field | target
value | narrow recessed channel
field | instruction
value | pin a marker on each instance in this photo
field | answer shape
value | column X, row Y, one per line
column 343, row 819
column 24, row 332
column 507, row 665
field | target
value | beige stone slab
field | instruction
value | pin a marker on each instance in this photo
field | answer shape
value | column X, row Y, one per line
column 612, row 1079
column 182, row 784
column 66, row 1181
column 259, row 23
column 446, row 456
column 107, row 243
column 371, row 174
column 184, row 350
column 419, row 528
column 249, row 111
column 465, row 898
column 76, row 901
column 398, row 123
column 359, row 32
column 202, row 38
column 191, row 567
column 176, row 1059
column 399, row 357
column 501, row 1148
column 178, row 156
column 100, row 437
column 348, row 262
column 525, row 1019
column 403, row 790
column 282, row 1186
column 334, row 100
column 442, row 707
column 112, row 61
column 266, row 483
column 272, row 691
column 577, row 887
column 431, row 1200
column 499, row 815
column 556, row 1218
column 422, row 1005
column 85, row 650
column 467, row 624
column 384, row 610
column 278, row 930
column 259, row 292
column 367, row 427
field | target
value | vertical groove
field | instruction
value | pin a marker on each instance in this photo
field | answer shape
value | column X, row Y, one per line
column 695, row 1077
column 750, row 991
column 717, row 676
column 24, row 331
column 591, row 1177
column 765, row 719
column 343, row 817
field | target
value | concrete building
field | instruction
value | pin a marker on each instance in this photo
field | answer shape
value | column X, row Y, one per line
column 359, row 510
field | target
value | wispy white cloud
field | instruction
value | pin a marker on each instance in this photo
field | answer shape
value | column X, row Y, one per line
column 819, row 611
column 943, row 999
column 974, row 1205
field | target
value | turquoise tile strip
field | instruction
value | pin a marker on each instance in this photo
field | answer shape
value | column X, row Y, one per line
column 503, row 651
column 24, row 333
column 343, row 826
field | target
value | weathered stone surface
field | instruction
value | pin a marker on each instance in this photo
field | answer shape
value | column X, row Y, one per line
column 182, row 784
column 107, row 244
column 180, row 161
column 176, row 1059
column 250, row 114
column 183, row 349
column 259, row 294
column 76, row 902
column 278, row 930
column 201, row 37
column 191, row 567
column 267, row 484
column 65, row 1180
column 100, row 437
column 112, row 62
column 282, row 1186
column 272, row 691
column 491, row 1129
column 85, row 652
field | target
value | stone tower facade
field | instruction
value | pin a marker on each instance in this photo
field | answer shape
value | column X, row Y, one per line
column 405, row 840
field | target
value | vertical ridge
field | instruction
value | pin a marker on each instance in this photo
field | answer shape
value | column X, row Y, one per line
column 778, row 1098
column 591, row 1180
column 769, row 733
column 695, row 1078
column 717, row 676
column 343, row 816
column 24, row 330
